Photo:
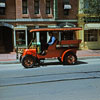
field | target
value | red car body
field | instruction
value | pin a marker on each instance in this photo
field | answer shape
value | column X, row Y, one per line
column 64, row 50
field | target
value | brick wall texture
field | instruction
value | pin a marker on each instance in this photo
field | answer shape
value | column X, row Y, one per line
column 14, row 10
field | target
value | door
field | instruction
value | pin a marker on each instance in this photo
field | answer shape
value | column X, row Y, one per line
column 6, row 43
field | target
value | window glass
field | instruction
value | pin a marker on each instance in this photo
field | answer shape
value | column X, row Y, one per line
column 20, row 37
column 48, row 3
column 68, row 35
column 90, row 35
column 24, row 6
column 66, row 11
column 2, row 7
column 36, row 6
column 2, row 11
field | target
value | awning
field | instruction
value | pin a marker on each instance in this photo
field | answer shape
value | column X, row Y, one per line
column 2, row 5
column 92, row 26
column 20, row 27
column 67, row 6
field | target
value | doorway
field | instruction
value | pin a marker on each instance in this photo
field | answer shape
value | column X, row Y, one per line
column 6, row 39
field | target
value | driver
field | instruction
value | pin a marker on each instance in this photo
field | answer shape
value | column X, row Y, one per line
column 51, row 41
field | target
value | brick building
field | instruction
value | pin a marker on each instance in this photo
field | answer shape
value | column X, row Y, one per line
column 17, row 17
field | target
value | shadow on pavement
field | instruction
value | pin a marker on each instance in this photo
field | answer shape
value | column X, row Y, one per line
column 59, row 63
column 81, row 62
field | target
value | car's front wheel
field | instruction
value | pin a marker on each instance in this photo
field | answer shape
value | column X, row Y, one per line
column 28, row 61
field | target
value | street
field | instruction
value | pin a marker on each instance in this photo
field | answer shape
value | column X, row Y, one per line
column 51, row 81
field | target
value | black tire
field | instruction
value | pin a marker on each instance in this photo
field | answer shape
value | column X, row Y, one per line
column 59, row 58
column 28, row 61
column 70, row 59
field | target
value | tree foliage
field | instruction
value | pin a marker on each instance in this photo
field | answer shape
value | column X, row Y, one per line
column 92, row 7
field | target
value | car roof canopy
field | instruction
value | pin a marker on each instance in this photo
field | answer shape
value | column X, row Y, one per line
column 56, row 29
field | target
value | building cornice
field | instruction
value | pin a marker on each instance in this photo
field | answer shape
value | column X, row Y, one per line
column 38, row 20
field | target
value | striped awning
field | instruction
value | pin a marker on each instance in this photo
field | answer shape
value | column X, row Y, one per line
column 67, row 6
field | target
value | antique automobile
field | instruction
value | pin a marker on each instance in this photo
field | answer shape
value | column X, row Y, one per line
column 64, row 48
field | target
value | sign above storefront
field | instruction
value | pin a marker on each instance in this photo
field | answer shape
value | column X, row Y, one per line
column 92, row 26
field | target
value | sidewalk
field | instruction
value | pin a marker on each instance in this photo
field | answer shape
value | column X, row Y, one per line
column 88, row 53
column 81, row 54
column 8, row 58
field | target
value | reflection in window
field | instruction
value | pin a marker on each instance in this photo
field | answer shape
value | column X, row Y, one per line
column 90, row 35
column 20, row 37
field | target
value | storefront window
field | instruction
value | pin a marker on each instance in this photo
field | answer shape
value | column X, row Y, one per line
column 20, row 37
column 90, row 35
column 68, row 35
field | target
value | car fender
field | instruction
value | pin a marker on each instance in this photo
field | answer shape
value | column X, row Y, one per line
column 29, row 52
column 67, row 51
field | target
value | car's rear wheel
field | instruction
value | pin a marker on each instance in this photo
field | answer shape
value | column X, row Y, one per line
column 28, row 61
column 70, row 59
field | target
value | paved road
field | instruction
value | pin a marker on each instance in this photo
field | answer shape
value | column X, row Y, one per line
column 52, row 81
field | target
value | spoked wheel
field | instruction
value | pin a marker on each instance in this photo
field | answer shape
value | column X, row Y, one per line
column 70, row 59
column 28, row 61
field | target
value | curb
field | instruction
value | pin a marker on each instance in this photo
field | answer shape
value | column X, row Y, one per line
column 88, row 57
column 10, row 62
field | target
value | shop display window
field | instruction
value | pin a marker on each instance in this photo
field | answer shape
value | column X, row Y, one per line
column 20, row 37
column 91, row 35
column 67, row 35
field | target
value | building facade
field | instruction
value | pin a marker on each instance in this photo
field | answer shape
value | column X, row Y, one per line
column 18, row 17
column 90, row 34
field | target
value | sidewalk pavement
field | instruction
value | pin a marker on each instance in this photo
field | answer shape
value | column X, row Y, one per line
column 81, row 54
